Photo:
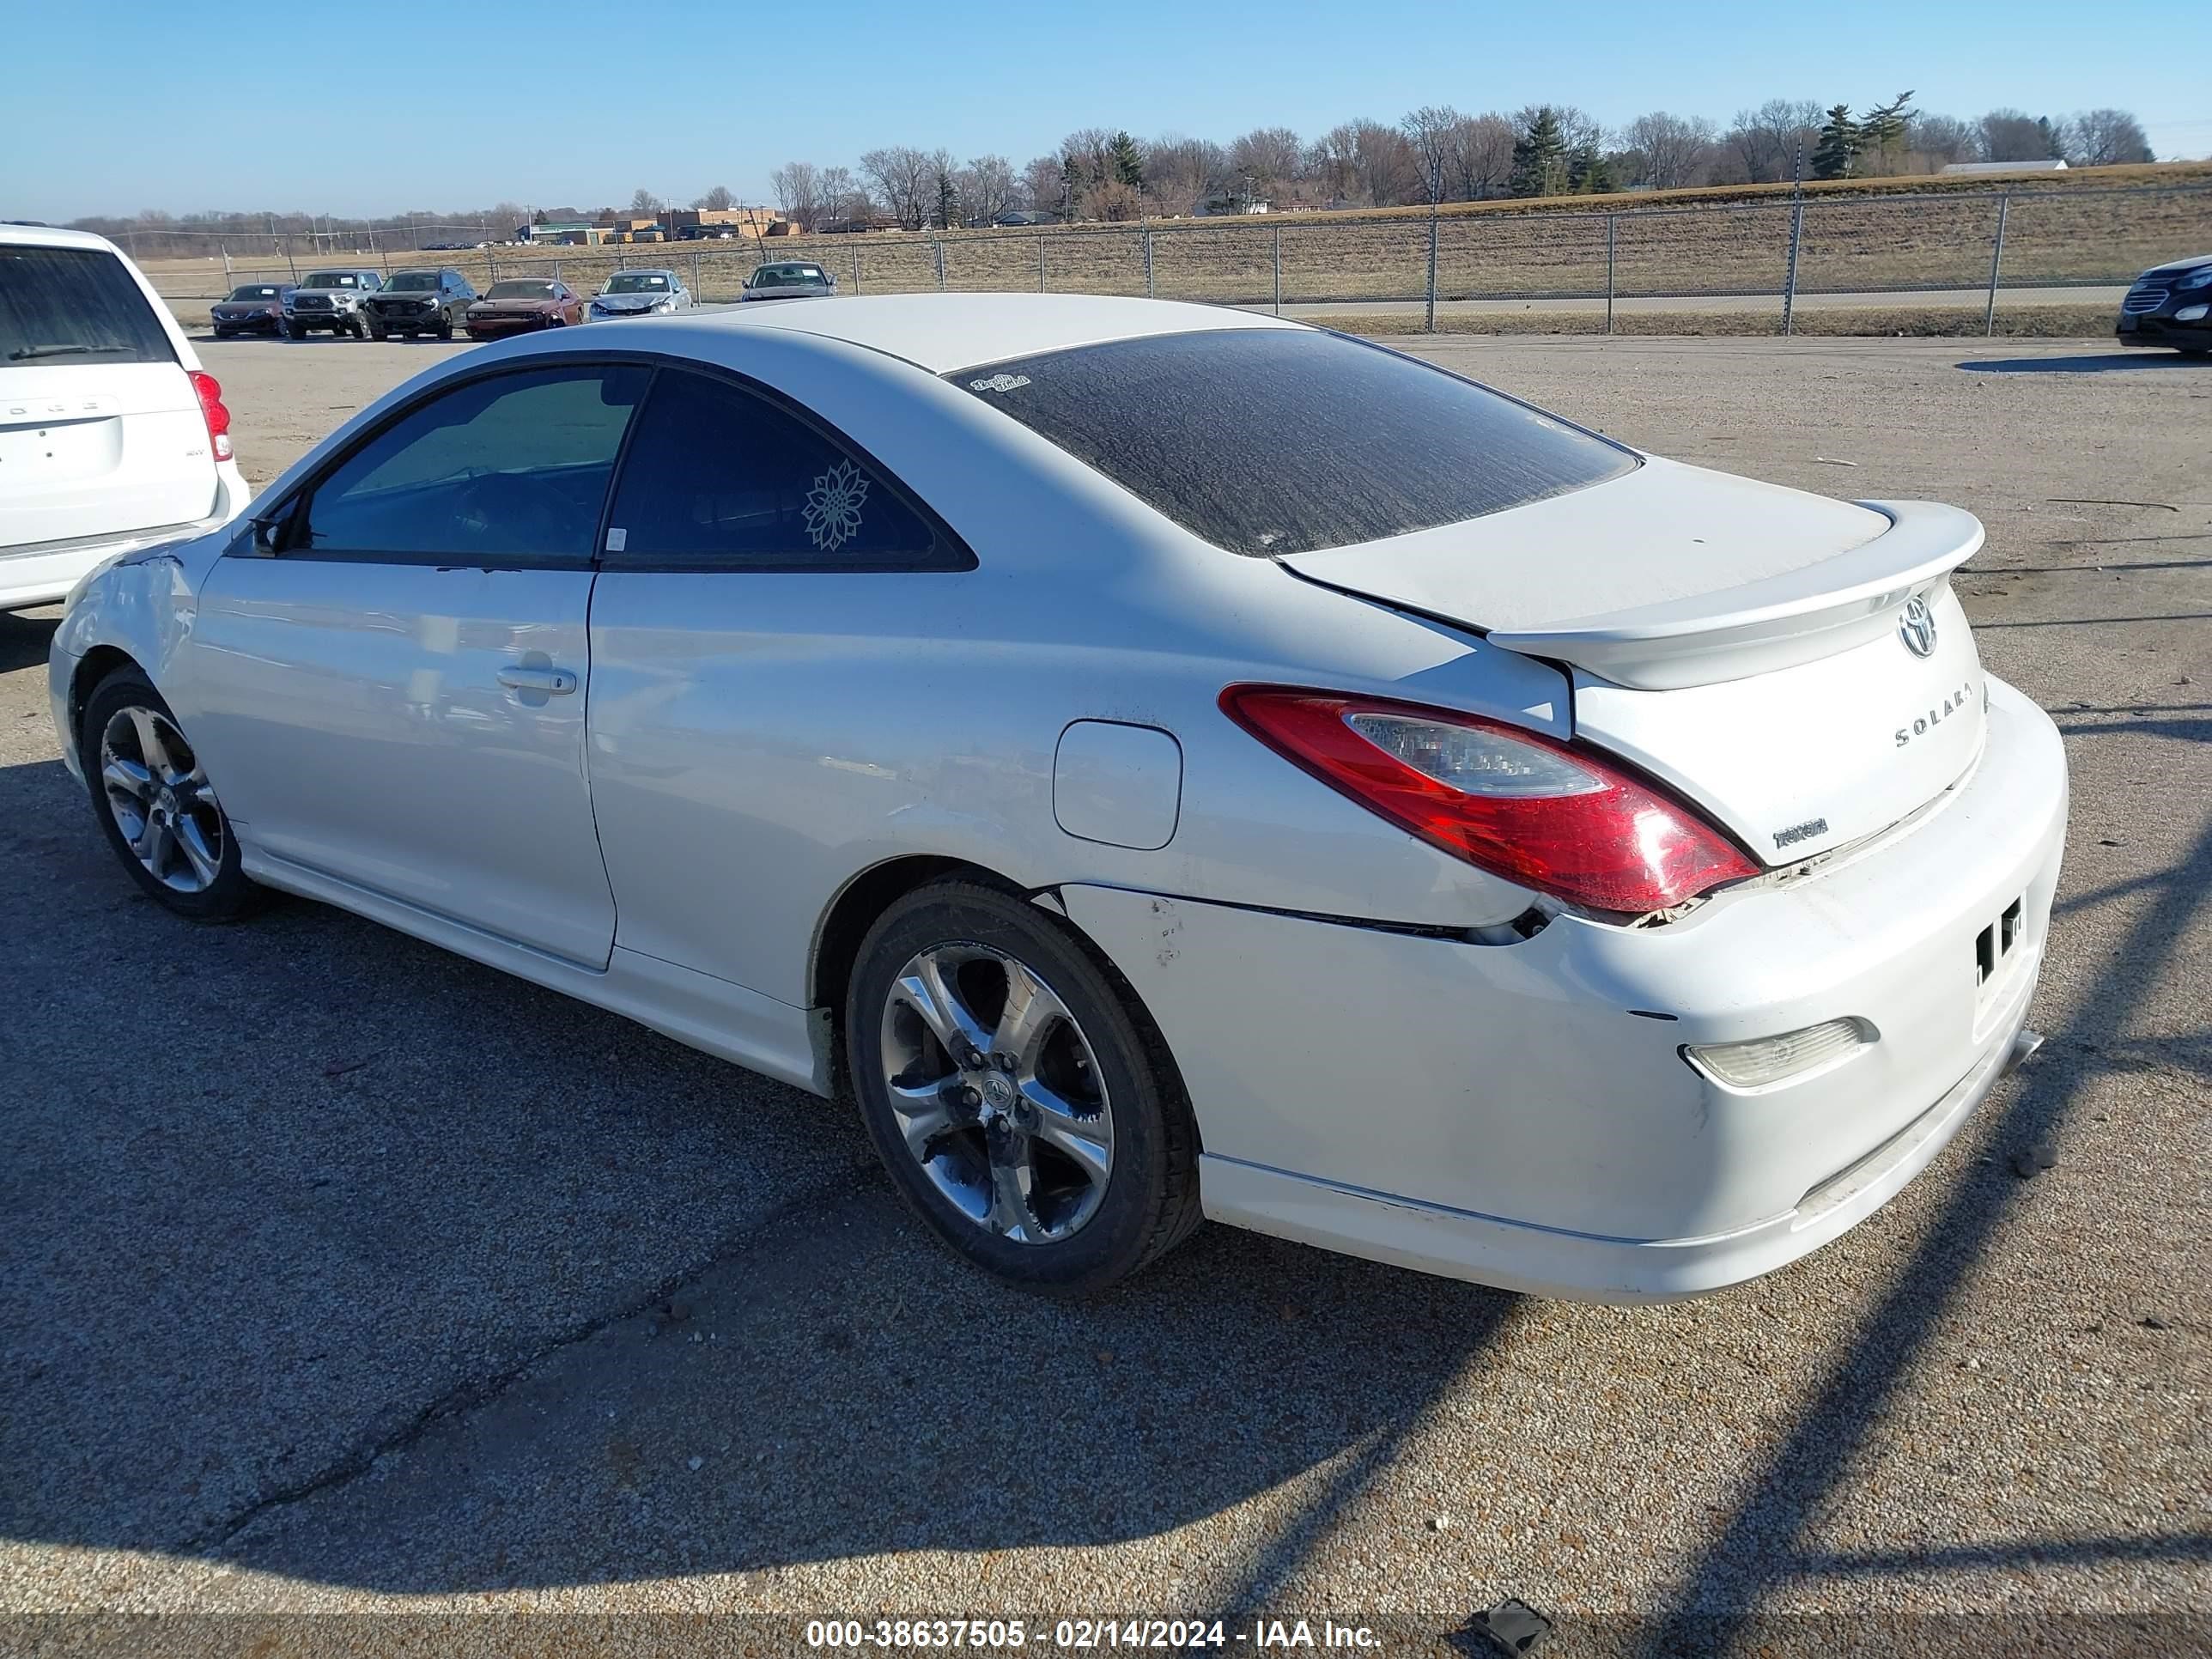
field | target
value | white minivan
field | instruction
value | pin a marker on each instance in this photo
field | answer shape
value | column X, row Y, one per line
column 111, row 436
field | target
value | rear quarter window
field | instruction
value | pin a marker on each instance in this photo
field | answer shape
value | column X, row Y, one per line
column 1268, row 441
column 74, row 304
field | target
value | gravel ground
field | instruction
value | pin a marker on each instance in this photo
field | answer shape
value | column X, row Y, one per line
column 342, row 1275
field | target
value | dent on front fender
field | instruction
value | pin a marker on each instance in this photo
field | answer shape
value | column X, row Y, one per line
column 142, row 606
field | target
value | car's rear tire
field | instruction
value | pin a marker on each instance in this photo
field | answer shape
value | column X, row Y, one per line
column 155, row 804
column 1057, row 1148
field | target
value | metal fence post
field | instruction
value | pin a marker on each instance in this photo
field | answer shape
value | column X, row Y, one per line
column 1432, row 267
column 856, row 267
column 1279, row 271
column 937, row 246
column 1608, row 271
column 224, row 248
column 1997, row 259
column 1790, row 292
column 491, row 265
column 1148, row 262
column 1042, row 241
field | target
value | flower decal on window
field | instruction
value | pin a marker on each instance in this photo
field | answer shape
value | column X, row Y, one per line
column 833, row 506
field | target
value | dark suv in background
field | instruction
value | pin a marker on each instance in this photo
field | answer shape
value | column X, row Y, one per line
column 420, row 302
column 2171, row 305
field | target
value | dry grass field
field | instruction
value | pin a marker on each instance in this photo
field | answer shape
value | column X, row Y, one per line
column 2098, row 227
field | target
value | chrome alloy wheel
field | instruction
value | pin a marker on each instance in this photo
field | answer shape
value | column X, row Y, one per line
column 997, row 1093
column 160, row 800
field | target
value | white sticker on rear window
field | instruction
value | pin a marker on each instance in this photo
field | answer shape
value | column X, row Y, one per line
column 833, row 506
column 999, row 383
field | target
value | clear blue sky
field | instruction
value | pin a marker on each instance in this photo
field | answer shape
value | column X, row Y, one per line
column 115, row 108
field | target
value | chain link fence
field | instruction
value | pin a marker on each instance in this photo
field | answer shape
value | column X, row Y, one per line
column 1763, row 263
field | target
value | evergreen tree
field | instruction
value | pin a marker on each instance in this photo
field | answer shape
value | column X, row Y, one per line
column 1881, row 134
column 1590, row 172
column 1127, row 161
column 2054, row 140
column 1539, row 156
column 1838, row 147
column 948, row 201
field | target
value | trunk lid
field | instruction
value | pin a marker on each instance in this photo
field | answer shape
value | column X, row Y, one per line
column 1758, row 648
column 96, row 449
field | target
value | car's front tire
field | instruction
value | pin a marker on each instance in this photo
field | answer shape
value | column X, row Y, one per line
column 156, row 805
column 1018, row 1095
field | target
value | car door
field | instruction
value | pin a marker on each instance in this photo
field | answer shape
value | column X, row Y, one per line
column 756, row 566
column 388, row 669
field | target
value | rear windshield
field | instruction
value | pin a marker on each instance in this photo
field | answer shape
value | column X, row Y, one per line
column 74, row 304
column 1268, row 441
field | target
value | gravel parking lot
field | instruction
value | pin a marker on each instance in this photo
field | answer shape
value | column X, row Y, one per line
column 342, row 1275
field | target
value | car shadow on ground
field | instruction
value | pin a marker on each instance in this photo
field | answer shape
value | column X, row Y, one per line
column 345, row 1258
column 27, row 637
column 2102, row 363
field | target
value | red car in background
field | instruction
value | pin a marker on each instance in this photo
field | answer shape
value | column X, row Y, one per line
column 522, row 305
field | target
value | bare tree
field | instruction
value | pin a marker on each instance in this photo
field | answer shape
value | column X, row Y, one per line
column 1932, row 142
column 903, row 177
column 1268, row 161
column 1183, row 174
column 2106, row 137
column 798, row 186
column 1389, row 172
column 1044, row 182
column 643, row 203
column 1429, row 130
column 1670, row 152
column 1478, row 157
column 1769, row 139
column 840, row 198
column 2011, row 135
column 716, row 200
column 987, row 188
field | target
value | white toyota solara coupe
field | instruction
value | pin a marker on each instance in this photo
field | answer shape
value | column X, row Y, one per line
column 1163, row 760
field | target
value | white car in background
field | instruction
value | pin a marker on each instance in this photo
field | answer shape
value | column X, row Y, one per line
column 111, row 436
column 1159, row 758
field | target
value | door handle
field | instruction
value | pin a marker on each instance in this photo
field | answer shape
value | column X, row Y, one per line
column 553, row 682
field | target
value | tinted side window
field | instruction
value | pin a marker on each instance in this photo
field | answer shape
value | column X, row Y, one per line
column 510, row 469
column 1268, row 441
column 74, row 304
column 717, row 476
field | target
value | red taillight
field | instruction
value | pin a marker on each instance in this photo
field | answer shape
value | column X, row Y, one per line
column 211, row 411
column 1545, row 815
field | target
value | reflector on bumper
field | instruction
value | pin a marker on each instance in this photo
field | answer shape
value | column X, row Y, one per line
column 1763, row 1061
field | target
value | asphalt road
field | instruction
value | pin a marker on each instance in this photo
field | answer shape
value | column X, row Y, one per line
column 340, row 1273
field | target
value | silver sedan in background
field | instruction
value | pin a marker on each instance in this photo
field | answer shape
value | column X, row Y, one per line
column 640, row 292
column 789, row 279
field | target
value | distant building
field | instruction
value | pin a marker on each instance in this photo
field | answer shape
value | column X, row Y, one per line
column 2053, row 166
column 690, row 224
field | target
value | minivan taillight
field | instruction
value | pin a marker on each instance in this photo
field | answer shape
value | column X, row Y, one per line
column 213, row 412
column 1553, row 817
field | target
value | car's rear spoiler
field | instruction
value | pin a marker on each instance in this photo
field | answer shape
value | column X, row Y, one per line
column 1816, row 612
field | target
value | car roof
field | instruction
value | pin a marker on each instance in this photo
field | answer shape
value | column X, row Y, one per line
column 941, row 332
column 53, row 236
